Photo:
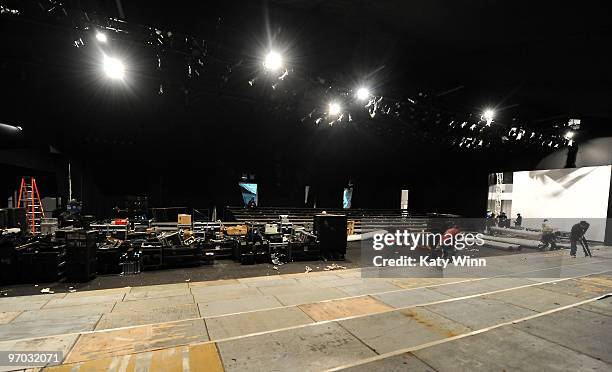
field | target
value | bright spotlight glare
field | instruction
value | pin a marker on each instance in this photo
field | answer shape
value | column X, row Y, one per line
column 101, row 37
column 334, row 108
column 569, row 135
column 113, row 68
column 363, row 94
column 488, row 115
column 273, row 61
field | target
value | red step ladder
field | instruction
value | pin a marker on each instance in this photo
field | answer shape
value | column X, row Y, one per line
column 29, row 199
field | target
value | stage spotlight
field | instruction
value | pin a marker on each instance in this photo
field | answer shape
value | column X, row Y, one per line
column 273, row 61
column 488, row 115
column 334, row 109
column 113, row 68
column 570, row 134
column 363, row 94
column 101, row 37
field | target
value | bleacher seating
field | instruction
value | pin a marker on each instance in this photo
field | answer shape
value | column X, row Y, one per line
column 365, row 219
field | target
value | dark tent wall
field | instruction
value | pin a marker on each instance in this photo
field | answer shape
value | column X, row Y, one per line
column 444, row 181
column 440, row 179
column 50, row 171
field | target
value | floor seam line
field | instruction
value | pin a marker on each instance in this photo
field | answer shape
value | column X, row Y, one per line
column 423, row 361
column 360, row 340
column 449, row 319
column 308, row 315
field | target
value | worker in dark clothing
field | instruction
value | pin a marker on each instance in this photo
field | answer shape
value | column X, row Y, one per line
column 519, row 220
column 577, row 236
column 502, row 220
column 489, row 221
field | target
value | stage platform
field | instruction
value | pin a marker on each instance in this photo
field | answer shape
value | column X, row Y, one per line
column 332, row 320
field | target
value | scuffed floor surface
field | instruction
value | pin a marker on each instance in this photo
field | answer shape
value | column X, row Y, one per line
column 331, row 321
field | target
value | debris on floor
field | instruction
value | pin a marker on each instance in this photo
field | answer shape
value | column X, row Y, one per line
column 46, row 290
column 71, row 289
column 278, row 258
column 308, row 269
column 275, row 267
column 334, row 267
column 188, row 280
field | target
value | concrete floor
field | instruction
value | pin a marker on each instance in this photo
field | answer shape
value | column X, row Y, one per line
column 332, row 320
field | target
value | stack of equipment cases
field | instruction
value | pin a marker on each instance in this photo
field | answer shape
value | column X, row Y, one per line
column 81, row 254
column 182, row 255
column 261, row 251
column 60, row 235
column 9, row 260
column 249, row 253
column 42, row 263
column 208, row 252
column 304, row 251
column 243, row 252
column 241, row 246
column 41, row 259
column 152, row 256
column 109, row 257
column 131, row 261
column 223, row 248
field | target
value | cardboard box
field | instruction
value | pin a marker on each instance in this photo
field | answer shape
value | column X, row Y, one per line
column 271, row 228
column 184, row 219
column 237, row 230
column 350, row 227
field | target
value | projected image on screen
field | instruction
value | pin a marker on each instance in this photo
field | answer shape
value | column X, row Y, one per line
column 569, row 195
column 249, row 193
column 347, row 197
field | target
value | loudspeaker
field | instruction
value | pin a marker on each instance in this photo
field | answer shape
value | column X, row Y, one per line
column 331, row 233
column 81, row 255
column 182, row 255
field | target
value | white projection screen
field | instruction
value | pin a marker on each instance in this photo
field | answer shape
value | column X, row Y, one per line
column 569, row 195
